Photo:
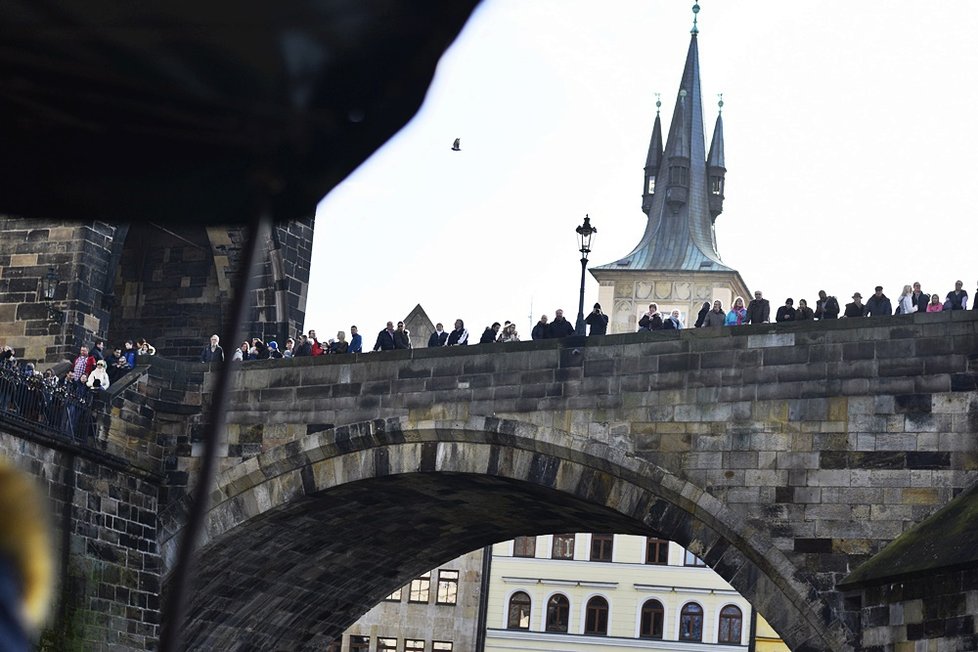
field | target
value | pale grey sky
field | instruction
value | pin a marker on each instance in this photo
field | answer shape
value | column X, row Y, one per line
column 850, row 149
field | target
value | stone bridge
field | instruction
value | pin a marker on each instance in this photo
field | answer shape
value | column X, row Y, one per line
column 784, row 456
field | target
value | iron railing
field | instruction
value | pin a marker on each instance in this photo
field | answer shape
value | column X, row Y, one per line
column 66, row 410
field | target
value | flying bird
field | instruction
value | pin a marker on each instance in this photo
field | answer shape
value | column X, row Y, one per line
column 457, row 145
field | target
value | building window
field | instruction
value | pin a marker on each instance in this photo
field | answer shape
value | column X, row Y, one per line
column 596, row 617
column 395, row 596
column 651, row 184
column 386, row 644
column 678, row 175
column 359, row 644
column 447, row 587
column 558, row 610
column 420, row 588
column 519, row 611
column 413, row 645
column 731, row 623
column 601, row 546
column 716, row 185
column 656, row 551
column 441, row 646
column 653, row 616
column 525, row 547
column 563, row 547
column 691, row 622
column 689, row 559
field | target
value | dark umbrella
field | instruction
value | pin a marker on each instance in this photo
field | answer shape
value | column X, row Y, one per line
column 208, row 112
column 182, row 110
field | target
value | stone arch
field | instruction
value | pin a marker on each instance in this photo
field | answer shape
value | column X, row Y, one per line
column 293, row 529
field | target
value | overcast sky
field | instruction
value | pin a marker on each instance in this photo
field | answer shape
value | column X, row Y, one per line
column 851, row 152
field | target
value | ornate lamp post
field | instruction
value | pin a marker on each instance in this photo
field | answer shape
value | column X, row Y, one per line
column 49, row 287
column 584, row 234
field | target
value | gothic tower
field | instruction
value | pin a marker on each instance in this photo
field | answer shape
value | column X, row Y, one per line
column 676, row 264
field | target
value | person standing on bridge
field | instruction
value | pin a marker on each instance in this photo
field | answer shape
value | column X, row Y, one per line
column 879, row 304
column 598, row 321
column 213, row 352
column 540, row 331
column 738, row 314
column 356, row 342
column 439, row 337
column 758, row 310
column 385, row 338
column 716, row 317
column 827, row 307
column 402, row 337
column 856, row 308
column 787, row 312
column 920, row 298
column 652, row 320
column 701, row 315
column 804, row 312
column 459, row 336
column 560, row 327
column 957, row 299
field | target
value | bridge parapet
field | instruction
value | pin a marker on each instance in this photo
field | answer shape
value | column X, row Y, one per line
column 824, row 440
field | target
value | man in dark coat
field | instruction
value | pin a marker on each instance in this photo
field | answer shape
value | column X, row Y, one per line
column 385, row 338
column 878, row 305
column 213, row 352
column 402, row 337
column 459, row 336
column 856, row 308
column 758, row 310
column 597, row 320
column 957, row 299
column 542, row 330
column 560, row 327
column 786, row 312
column 489, row 335
column 439, row 337
column 920, row 298
column 826, row 307
column 701, row 316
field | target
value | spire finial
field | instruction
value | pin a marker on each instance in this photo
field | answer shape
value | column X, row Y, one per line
column 696, row 10
column 658, row 102
column 720, row 102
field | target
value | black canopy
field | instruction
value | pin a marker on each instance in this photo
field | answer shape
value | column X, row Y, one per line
column 183, row 110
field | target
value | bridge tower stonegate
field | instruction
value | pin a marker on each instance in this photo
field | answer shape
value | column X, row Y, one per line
column 676, row 264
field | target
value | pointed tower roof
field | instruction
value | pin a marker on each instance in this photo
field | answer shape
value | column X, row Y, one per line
column 654, row 158
column 679, row 236
column 715, row 158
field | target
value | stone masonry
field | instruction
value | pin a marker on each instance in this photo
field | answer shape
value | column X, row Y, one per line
column 170, row 285
column 784, row 455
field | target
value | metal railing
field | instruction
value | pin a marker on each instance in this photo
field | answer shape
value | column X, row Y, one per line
column 65, row 409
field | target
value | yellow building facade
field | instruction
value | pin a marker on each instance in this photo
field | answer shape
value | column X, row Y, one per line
column 585, row 592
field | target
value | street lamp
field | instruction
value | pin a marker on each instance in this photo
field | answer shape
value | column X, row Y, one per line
column 49, row 287
column 584, row 234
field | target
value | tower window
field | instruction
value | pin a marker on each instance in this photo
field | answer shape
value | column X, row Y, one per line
column 651, row 184
column 678, row 175
column 716, row 185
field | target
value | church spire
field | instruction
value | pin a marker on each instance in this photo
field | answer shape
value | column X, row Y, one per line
column 679, row 235
column 716, row 168
column 654, row 160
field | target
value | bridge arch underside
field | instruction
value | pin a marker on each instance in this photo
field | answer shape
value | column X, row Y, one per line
column 304, row 539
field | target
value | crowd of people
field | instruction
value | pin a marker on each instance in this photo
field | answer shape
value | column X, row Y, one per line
column 757, row 311
column 912, row 299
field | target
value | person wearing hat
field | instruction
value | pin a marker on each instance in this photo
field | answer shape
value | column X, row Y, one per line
column 99, row 375
column 856, row 308
column 878, row 305
column 273, row 351
column 597, row 320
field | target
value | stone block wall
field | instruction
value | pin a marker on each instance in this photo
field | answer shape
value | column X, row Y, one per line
column 78, row 253
column 169, row 285
column 105, row 534
column 936, row 612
